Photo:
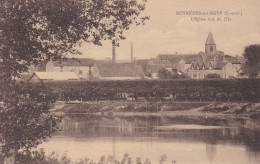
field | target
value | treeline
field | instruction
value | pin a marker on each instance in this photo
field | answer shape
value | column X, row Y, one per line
column 175, row 90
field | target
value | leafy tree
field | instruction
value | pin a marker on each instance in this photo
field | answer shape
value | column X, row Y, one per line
column 34, row 31
column 164, row 74
column 212, row 76
column 252, row 61
column 25, row 118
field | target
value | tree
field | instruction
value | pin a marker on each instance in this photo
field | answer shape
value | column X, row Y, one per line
column 164, row 74
column 251, row 66
column 33, row 31
column 25, row 118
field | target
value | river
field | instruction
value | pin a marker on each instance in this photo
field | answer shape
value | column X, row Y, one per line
column 182, row 139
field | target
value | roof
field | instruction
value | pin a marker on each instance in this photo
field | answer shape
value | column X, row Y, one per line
column 166, row 63
column 56, row 75
column 218, row 65
column 210, row 39
column 74, row 62
column 201, row 65
column 109, row 69
column 232, row 59
column 143, row 63
column 24, row 77
column 175, row 59
column 154, row 68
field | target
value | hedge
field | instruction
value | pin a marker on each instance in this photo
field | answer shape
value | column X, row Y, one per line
column 180, row 90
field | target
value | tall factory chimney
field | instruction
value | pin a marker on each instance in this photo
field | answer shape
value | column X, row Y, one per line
column 113, row 51
column 132, row 52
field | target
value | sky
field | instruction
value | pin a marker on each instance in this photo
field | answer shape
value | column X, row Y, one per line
column 169, row 33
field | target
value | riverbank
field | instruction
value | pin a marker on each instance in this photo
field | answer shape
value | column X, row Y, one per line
column 141, row 108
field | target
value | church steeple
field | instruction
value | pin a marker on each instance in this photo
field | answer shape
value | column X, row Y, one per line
column 210, row 45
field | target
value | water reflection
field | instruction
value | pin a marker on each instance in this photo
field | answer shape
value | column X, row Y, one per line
column 237, row 139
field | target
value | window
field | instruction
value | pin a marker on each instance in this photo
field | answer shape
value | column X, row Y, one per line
column 61, row 68
column 211, row 48
column 80, row 72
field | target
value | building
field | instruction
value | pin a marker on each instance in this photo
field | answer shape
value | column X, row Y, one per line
column 82, row 68
column 117, row 71
column 52, row 76
column 199, row 65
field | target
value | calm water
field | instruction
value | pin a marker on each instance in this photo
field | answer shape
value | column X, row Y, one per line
column 185, row 140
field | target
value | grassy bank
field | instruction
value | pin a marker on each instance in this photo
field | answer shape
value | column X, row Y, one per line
column 129, row 106
column 116, row 108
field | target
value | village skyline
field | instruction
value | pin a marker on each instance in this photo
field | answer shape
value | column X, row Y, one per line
column 169, row 33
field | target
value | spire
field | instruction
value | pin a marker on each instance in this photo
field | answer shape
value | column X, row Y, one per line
column 210, row 39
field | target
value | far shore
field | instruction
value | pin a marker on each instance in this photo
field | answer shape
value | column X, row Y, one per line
column 169, row 109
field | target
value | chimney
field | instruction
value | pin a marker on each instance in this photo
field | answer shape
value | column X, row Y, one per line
column 132, row 52
column 113, row 51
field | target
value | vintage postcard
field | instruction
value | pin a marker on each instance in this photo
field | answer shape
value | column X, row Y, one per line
column 156, row 81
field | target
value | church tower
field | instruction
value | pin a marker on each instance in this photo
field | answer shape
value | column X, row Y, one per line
column 210, row 46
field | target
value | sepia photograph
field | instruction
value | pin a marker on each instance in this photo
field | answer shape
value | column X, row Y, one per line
column 129, row 82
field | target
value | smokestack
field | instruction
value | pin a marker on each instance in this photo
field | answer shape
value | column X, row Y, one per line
column 132, row 52
column 113, row 51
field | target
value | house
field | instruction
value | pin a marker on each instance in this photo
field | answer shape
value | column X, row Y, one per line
column 52, row 76
column 208, row 62
column 117, row 71
column 224, row 69
column 82, row 68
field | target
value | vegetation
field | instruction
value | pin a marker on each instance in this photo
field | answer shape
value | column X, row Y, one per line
column 38, row 157
column 166, row 74
column 252, row 61
column 25, row 119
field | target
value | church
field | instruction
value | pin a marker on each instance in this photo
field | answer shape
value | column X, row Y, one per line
column 211, row 61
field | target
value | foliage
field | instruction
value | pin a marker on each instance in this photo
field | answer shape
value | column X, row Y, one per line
column 25, row 118
column 212, row 76
column 252, row 60
column 166, row 74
